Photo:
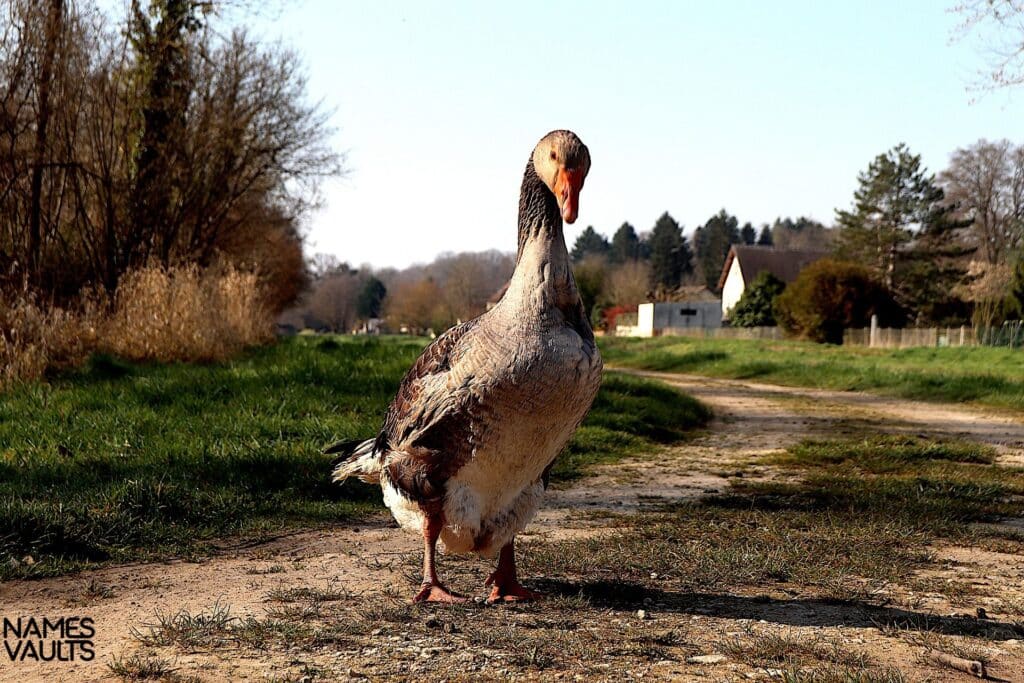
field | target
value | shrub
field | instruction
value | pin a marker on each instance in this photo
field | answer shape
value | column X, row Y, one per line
column 755, row 307
column 829, row 296
column 35, row 339
column 177, row 314
column 184, row 314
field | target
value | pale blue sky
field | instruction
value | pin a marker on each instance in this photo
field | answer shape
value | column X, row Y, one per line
column 765, row 108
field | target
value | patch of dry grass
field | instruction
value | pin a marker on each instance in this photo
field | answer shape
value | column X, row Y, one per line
column 157, row 314
column 185, row 314
column 791, row 650
column 145, row 668
column 35, row 339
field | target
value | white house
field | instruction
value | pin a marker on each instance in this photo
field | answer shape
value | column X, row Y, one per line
column 746, row 262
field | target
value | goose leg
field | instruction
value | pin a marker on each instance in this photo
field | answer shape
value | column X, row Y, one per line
column 432, row 590
column 506, row 586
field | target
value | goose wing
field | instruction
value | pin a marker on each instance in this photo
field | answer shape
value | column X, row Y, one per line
column 430, row 428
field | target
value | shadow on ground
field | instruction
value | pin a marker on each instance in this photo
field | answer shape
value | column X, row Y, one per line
column 795, row 612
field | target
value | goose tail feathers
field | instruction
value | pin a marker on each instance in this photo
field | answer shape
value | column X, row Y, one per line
column 355, row 459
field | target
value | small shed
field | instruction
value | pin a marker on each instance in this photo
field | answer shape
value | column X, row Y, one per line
column 653, row 319
column 745, row 262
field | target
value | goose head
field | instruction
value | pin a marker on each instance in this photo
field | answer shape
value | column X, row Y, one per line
column 562, row 161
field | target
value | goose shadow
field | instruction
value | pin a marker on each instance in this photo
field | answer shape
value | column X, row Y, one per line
column 620, row 595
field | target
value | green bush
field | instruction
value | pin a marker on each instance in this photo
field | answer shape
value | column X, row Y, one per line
column 755, row 307
column 829, row 296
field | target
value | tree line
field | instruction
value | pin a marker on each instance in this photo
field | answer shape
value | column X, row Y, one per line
column 161, row 137
column 914, row 248
column 945, row 249
column 417, row 299
column 919, row 248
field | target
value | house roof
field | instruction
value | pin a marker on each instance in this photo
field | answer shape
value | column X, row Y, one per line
column 784, row 264
column 688, row 294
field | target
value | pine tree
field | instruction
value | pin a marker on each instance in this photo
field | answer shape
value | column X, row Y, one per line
column 748, row 234
column 625, row 244
column 670, row 254
column 590, row 243
column 765, row 239
column 755, row 307
column 716, row 236
column 371, row 298
column 895, row 200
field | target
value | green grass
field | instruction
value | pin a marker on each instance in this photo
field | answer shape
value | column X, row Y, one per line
column 630, row 416
column 986, row 376
column 937, row 486
column 847, row 517
column 120, row 462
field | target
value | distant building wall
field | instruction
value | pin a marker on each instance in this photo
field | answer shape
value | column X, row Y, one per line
column 645, row 320
column 687, row 314
column 654, row 318
column 732, row 290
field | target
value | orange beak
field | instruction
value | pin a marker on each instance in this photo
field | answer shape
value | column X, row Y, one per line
column 567, row 191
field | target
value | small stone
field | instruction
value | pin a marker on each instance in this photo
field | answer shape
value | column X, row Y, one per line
column 982, row 614
column 648, row 601
column 29, row 560
column 432, row 622
column 654, row 575
column 376, row 632
column 706, row 659
column 641, row 614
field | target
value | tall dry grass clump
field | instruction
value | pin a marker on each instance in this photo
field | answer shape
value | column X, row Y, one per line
column 35, row 339
column 186, row 314
column 156, row 314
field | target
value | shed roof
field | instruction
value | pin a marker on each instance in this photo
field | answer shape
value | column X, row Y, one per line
column 784, row 264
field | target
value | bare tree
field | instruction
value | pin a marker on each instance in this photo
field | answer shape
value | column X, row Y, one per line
column 467, row 280
column 157, row 140
column 1000, row 25
column 629, row 283
column 333, row 301
column 986, row 183
column 417, row 305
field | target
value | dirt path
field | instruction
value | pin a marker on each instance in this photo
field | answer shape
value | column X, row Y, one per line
column 362, row 567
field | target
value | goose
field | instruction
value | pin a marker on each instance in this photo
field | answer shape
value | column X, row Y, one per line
column 469, row 440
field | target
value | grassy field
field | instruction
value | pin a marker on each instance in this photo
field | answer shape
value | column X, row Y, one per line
column 850, row 515
column 119, row 461
column 986, row 376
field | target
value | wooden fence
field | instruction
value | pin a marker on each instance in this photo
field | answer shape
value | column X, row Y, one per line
column 880, row 338
column 1011, row 334
column 909, row 337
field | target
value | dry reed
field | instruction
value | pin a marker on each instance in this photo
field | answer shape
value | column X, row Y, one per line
column 35, row 339
column 157, row 314
column 184, row 314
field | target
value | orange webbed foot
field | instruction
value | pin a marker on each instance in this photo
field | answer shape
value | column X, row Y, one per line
column 504, row 590
column 435, row 592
